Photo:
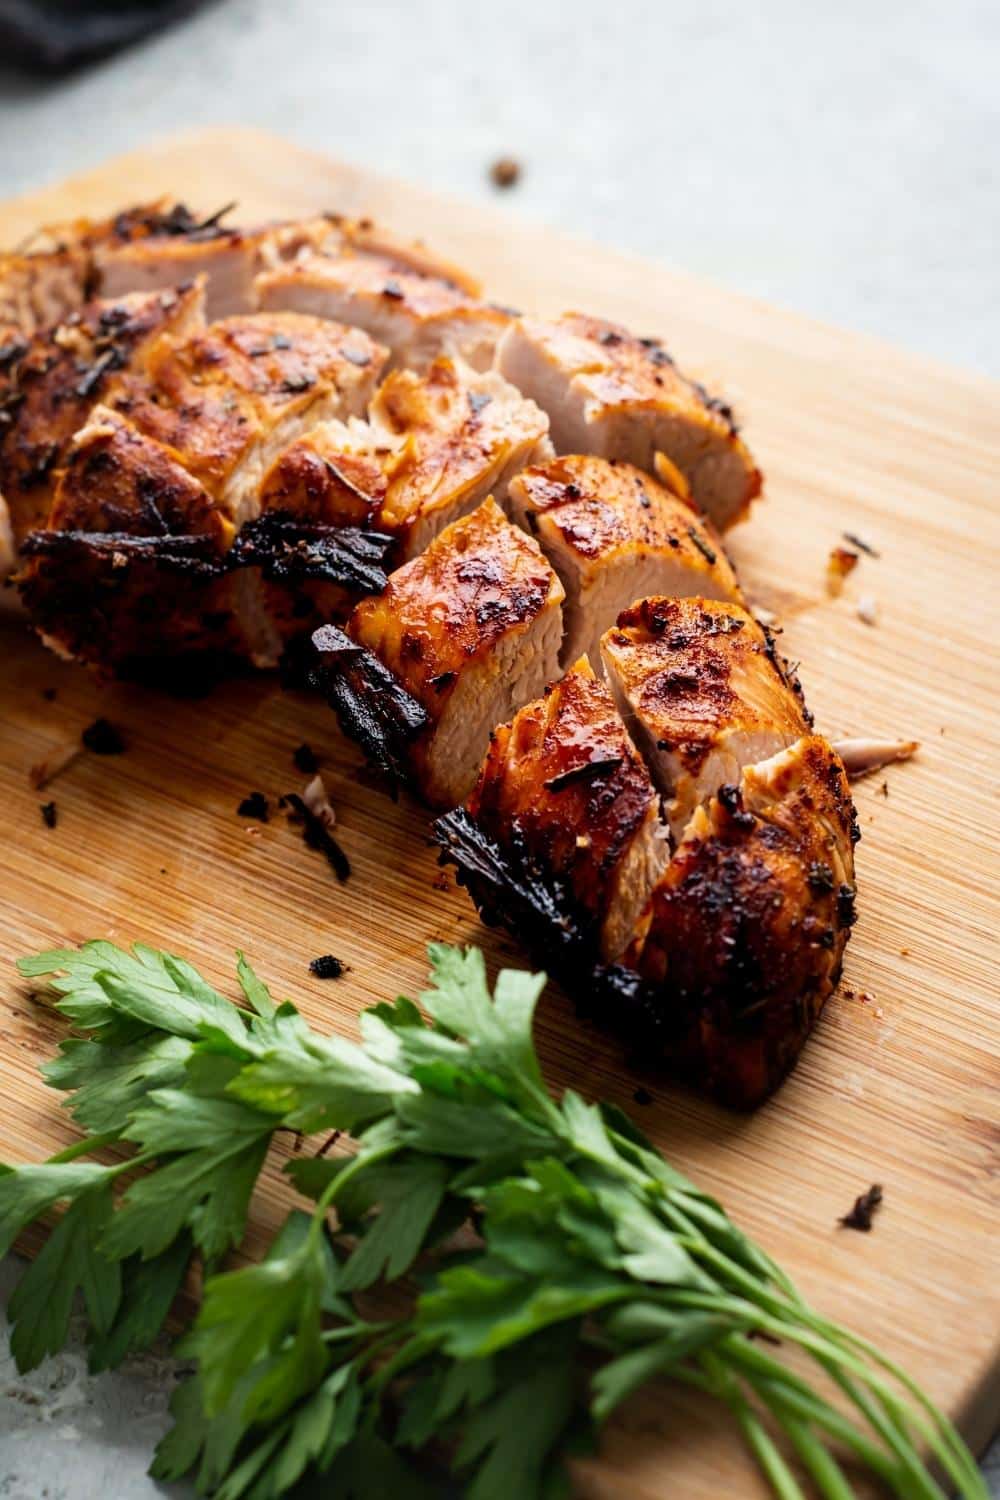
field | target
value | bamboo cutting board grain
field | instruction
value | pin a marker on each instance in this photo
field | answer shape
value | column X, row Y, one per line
column 900, row 1083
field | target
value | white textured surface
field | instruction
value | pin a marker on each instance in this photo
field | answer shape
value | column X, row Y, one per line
column 839, row 159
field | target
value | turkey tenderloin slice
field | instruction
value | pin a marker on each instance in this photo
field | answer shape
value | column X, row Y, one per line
column 131, row 568
column 563, row 786
column 744, row 933
column 36, row 290
column 433, row 448
column 704, row 694
column 471, row 630
column 233, row 397
column 614, row 535
column 64, row 372
column 617, row 396
column 416, row 315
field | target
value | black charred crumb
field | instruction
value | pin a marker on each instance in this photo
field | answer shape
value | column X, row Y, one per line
column 730, row 799
column 316, row 835
column 609, row 337
column 102, row 738
column 589, row 771
column 393, row 289
column 48, row 812
column 707, row 552
column 642, row 1096
column 326, row 967
column 289, row 550
column 505, row 172
column 846, row 898
column 442, row 680
column 883, row 790
column 862, row 1214
column 254, row 805
column 11, row 352
column 49, row 694
column 92, row 376
column 305, row 760
column 857, row 541
column 820, row 877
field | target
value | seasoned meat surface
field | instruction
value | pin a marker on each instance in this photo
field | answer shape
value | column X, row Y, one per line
column 471, row 629
column 704, row 693
column 614, row 534
column 65, row 370
column 609, row 393
column 563, row 785
column 744, row 934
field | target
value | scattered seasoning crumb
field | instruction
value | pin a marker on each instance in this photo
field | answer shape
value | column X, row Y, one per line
column 867, row 609
column 642, row 1096
column 102, row 738
column 505, row 172
column 163, row 869
column 316, row 835
column 326, row 967
column 883, row 790
column 305, row 760
column 904, row 952
column 48, row 812
column 863, row 1212
column 839, row 565
column 49, row 694
column 857, row 541
column 44, row 771
column 254, row 805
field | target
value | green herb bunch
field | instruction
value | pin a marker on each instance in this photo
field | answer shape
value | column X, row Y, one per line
column 549, row 1261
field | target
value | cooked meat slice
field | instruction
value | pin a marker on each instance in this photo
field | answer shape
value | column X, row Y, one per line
column 233, row 397
column 454, row 438
column 65, row 371
column 563, row 787
column 39, row 289
column 417, row 315
column 704, row 694
column 744, row 933
column 471, row 630
column 334, row 473
column 613, row 535
column 434, row 447
column 609, row 393
column 132, row 565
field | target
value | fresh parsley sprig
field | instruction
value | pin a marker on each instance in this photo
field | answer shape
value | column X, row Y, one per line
column 537, row 1261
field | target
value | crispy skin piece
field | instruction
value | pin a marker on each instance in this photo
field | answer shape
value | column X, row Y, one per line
column 704, row 694
column 417, row 314
column 613, row 535
column 231, row 398
column 609, row 393
column 65, row 371
column 744, row 934
column 471, row 630
column 564, row 784
column 434, row 447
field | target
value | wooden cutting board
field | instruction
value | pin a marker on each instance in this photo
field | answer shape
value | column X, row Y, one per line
column 900, row 1083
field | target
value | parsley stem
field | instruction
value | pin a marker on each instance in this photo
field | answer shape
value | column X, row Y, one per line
column 84, row 1147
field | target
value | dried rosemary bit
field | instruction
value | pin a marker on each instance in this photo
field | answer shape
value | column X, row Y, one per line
column 863, row 1212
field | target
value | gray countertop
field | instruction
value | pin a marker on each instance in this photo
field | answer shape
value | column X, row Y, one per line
column 838, row 159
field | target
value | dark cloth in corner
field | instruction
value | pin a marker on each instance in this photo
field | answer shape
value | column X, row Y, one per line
column 52, row 36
